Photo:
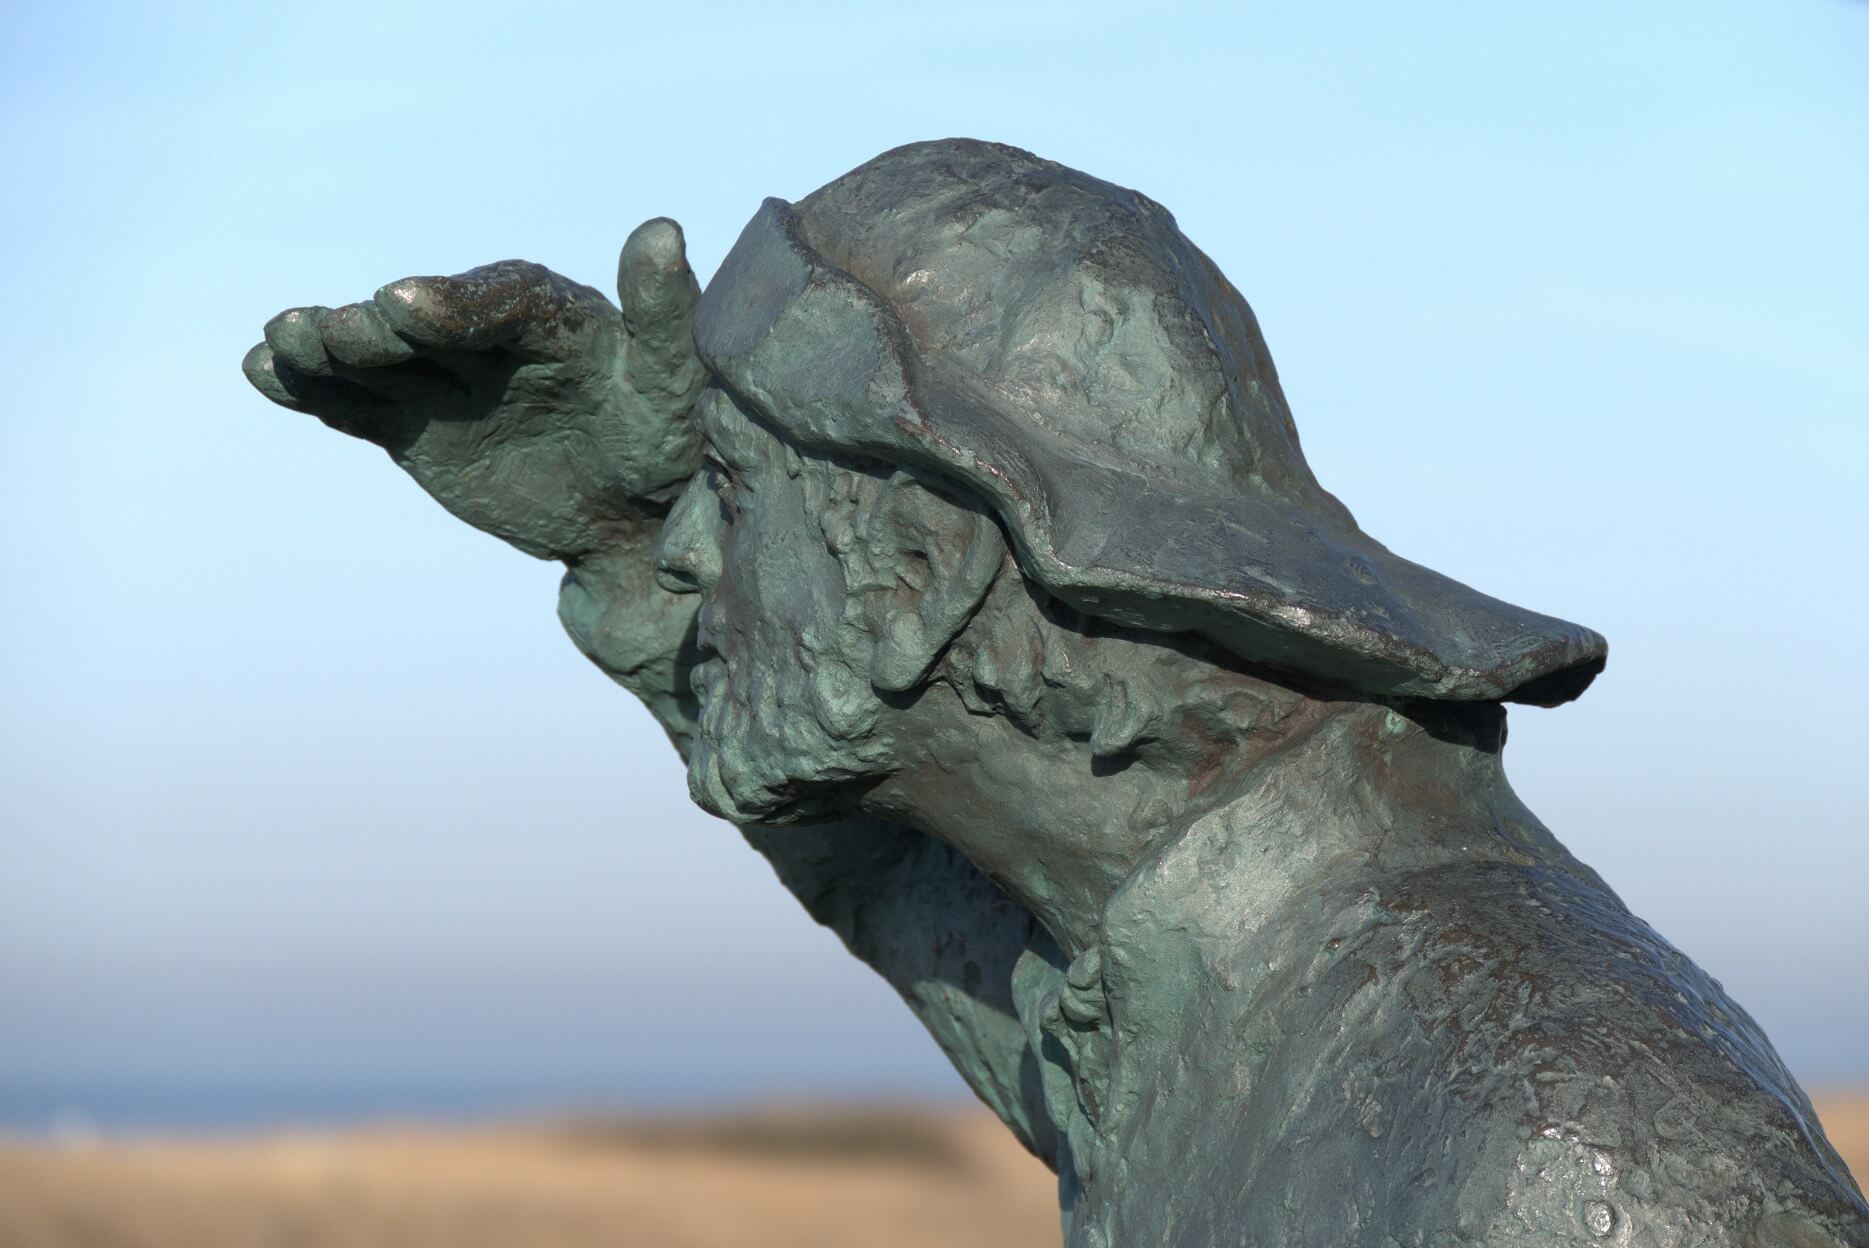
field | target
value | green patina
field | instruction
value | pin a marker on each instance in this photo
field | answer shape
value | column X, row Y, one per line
column 960, row 538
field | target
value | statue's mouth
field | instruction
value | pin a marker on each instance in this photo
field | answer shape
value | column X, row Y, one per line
column 708, row 677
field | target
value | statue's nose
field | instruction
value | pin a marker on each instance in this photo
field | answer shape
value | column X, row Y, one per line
column 687, row 554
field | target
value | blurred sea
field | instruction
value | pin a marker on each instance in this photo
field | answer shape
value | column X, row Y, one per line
column 66, row 1110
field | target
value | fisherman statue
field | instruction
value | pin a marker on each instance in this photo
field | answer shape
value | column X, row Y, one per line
column 959, row 536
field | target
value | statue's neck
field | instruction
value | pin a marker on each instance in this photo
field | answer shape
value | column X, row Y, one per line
column 1176, row 885
column 1367, row 792
column 1064, row 833
column 1057, row 828
column 1193, row 945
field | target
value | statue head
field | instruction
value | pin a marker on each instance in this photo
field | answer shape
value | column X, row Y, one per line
column 984, row 427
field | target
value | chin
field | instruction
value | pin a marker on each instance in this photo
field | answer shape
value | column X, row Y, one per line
column 708, row 790
column 741, row 802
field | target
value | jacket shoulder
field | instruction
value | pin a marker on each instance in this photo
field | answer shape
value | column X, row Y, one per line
column 1505, row 1054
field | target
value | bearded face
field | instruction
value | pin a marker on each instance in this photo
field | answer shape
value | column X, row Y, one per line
column 788, row 712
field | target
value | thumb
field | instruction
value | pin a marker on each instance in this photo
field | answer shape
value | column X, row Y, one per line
column 657, row 291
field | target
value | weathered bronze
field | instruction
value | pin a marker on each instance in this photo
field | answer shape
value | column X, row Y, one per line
column 959, row 536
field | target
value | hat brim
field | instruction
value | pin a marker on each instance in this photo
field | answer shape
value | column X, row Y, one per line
column 817, row 354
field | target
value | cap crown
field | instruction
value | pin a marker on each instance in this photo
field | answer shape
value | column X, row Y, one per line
column 1053, row 343
column 1072, row 303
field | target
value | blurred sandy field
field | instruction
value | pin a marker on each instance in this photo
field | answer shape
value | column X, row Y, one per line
column 825, row 1178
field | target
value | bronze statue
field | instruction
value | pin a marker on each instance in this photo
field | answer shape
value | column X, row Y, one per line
column 960, row 537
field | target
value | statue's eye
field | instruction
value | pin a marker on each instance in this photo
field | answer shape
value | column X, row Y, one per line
column 720, row 480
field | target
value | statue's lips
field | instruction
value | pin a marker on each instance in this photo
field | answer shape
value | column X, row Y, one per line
column 714, row 715
column 708, row 678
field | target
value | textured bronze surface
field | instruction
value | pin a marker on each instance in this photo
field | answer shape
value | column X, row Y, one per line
column 960, row 537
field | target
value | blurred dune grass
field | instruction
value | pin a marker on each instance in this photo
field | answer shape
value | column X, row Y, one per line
column 823, row 1177
column 828, row 1178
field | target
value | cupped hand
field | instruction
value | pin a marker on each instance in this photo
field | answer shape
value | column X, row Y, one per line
column 526, row 404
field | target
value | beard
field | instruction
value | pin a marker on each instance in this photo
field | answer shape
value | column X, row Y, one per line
column 786, row 743
column 744, row 804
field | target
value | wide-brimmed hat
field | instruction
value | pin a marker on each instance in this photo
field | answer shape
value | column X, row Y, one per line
column 1055, row 345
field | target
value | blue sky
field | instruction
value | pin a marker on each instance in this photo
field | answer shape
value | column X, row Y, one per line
column 303, row 788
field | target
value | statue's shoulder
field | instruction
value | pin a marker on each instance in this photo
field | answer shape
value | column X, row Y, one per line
column 1518, row 1056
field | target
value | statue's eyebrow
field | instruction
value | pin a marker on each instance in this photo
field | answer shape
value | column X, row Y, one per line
column 730, row 451
column 726, row 430
column 713, row 428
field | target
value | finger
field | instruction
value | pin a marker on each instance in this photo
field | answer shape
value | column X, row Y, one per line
column 655, row 285
column 259, row 368
column 339, row 404
column 295, row 338
column 472, row 311
column 358, row 335
column 416, row 385
column 658, row 292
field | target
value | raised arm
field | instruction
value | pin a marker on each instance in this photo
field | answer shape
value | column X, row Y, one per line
column 535, row 410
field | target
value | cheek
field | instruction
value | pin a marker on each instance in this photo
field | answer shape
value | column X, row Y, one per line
column 781, row 589
column 794, row 665
column 842, row 701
